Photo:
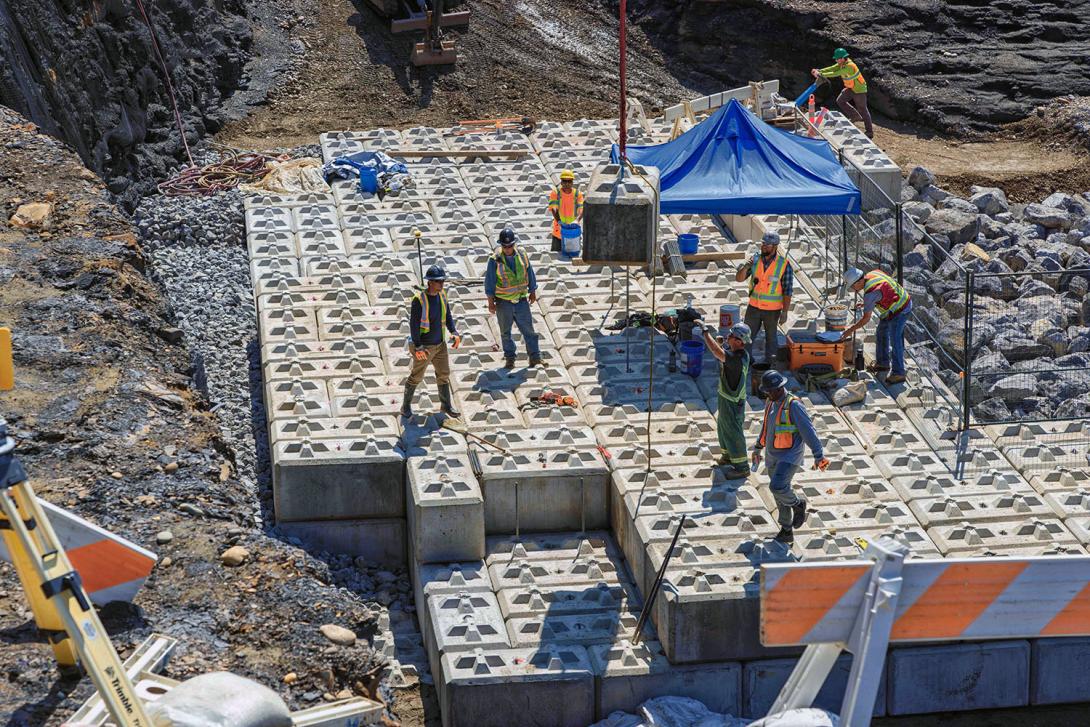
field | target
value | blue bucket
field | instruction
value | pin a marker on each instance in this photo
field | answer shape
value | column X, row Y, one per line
column 691, row 357
column 688, row 243
column 571, row 239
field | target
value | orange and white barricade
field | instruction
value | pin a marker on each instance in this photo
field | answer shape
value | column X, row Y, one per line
column 863, row 606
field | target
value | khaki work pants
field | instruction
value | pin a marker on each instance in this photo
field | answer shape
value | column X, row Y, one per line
column 437, row 357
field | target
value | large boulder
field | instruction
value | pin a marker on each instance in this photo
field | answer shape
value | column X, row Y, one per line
column 933, row 194
column 921, row 177
column 989, row 200
column 1051, row 218
column 1052, row 336
column 992, row 410
column 1017, row 345
column 959, row 227
column 1079, row 207
column 1013, row 389
column 990, row 227
column 959, row 204
column 918, row 211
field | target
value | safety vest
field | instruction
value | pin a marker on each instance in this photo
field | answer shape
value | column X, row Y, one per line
column 854, row 77
column 765, row 289
column 425, row 317
column 512, row 285
column 894, row 296
column 567, row 206
column 784, row 430
column 739, row 394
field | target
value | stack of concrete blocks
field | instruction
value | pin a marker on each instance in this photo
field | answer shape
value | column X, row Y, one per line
column 549, row 616
column 850, row 141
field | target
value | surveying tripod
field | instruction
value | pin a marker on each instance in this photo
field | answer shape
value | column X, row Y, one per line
column 61, row 608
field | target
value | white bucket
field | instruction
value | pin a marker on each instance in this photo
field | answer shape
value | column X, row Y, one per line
column 836, row 318
column 729, row 315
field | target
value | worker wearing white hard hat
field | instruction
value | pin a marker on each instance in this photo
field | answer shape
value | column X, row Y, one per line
column 771, row 282
column 888, row 298
column 565, row 205
column 734, row 362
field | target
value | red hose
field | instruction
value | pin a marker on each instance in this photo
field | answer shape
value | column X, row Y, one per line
column 624, row 86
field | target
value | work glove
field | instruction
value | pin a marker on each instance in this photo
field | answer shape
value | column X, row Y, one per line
column 492, row 305
column 421, row 354
column 815, row 72
column 756, row 458
column 822, row 464
column 455, row 341
column 783, row 316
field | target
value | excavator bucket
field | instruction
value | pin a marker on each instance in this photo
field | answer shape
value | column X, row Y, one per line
column 444, row 54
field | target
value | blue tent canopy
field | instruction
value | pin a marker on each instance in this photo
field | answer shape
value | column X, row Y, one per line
column 734, row 163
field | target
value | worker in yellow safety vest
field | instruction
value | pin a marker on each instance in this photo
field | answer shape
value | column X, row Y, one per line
column 853, row 99
column 886, row 297
column 771, row 282
column 785, row 433
column 565, row 205
column 511, row 288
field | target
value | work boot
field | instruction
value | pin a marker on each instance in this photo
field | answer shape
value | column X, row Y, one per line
column 445, row 404
column 798, row 514
column 536, row 361
column 895, row 379
column 877, row 368
column 734, row 472
column 407, row 401
column 785, row 536
column 509, row 363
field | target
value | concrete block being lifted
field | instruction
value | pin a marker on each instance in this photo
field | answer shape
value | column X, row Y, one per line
column 621, row 217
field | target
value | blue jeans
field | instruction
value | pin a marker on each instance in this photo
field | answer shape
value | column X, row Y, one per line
column 781, row 473
column 891, row 334
column 520, row 314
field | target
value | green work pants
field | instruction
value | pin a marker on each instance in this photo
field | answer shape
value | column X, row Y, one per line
column 731, row 429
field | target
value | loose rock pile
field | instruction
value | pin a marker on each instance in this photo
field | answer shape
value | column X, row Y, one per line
column 1030, row 344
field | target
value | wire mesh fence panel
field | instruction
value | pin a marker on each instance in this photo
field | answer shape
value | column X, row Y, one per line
column 1031, row 350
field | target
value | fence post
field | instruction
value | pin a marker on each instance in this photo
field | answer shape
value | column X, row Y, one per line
column 967, row 360
column 900, row 247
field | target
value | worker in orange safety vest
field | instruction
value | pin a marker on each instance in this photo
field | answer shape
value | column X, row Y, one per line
column 771, row 283
column 853, row 99
column 565, row 205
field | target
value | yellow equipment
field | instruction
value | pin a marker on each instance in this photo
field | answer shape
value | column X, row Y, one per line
column 7, row 367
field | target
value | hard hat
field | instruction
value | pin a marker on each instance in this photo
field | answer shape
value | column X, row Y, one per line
column 839, row 53
column 770, row 238
column 742, row 332
column 436, row 273
column 507, row 235
column 851, row 277
column 567, row 174
column 772, row 380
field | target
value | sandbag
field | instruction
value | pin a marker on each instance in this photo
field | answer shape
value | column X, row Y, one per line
column 219, row 699
column 852, row 393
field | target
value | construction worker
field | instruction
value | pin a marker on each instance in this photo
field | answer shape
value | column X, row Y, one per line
column 565, row 204
column 786, row 429
column 511, row 287
column 428, row 315
column 733, row 378
column 886, row 297
column 853, row 99
column 771, row 282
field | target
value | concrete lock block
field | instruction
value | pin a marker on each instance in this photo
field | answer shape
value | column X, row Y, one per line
column 762, row 681
column 335, row 428
column 628, row 675
column 569, row 600
column 979, row 508
column 551, row 546
column 582, row 630
column 621, row 218
column 332, row 479
column 932, row 485
column 986, row 675
column 998, row 537
column 376, row 540
column 1059, row 671
column 719, row 553
column 535, row 687
column 563, row 489
column 852, row 491
column 446, row 512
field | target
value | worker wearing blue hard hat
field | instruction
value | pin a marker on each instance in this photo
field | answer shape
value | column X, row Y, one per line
column 429, row 314
column 510, row 285
column 734, row 361
column 785, row 433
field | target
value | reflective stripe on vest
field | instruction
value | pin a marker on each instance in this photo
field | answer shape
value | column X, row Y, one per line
column 894, row 297
column 566, row 205
column 738, row 394
column 765, row 291
column 856, row 77
column 784, row 430
column 512, row 285
column 425, row 317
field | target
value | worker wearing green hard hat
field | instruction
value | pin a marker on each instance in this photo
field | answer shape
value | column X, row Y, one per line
column 853, row 99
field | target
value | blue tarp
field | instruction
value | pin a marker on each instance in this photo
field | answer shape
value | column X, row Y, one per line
column 734, row 163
